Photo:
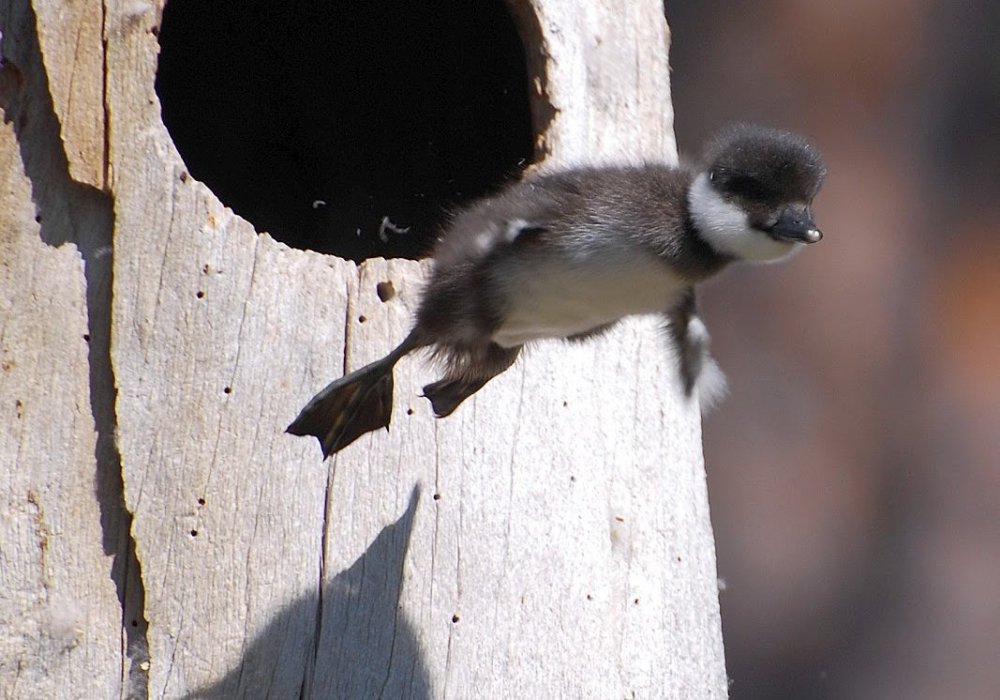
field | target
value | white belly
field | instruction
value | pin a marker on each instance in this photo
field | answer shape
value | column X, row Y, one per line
column 555, row 301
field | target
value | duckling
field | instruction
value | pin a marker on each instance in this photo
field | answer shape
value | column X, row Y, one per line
column 569, row 254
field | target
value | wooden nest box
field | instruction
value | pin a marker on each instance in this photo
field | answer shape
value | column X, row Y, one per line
column 162, row 536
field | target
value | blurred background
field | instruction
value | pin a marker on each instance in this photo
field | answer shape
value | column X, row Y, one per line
column 854, row 471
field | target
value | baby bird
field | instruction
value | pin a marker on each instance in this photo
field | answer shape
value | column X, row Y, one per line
column 569, row 254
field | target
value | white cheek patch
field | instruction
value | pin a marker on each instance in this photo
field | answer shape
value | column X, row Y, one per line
column 713, row 213
column 725, row 227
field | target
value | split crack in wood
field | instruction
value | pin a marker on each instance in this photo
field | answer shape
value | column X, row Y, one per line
column 82, row 215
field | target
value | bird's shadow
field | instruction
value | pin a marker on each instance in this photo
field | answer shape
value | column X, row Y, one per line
column 363, row 647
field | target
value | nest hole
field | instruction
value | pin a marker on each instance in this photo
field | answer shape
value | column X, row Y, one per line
column 344, row 127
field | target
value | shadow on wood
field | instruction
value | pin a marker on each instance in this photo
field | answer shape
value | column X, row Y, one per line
column 69, row 212
column 364, row 646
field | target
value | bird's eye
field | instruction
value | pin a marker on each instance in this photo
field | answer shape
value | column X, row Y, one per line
column 747, row 187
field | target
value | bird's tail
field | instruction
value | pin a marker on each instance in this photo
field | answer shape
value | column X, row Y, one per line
column 353, row 405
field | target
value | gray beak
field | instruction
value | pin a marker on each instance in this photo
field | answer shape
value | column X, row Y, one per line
column 795, row 224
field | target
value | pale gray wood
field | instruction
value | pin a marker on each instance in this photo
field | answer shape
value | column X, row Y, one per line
column 60, row 624
column 69, row 32
column 60, row 620
column 551, row 539
column 607, row 79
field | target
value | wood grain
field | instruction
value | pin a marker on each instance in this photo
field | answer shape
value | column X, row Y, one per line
column 550, row 539
column 61, row 627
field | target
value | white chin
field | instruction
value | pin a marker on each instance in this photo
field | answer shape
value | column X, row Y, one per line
column 724, row 226
column 759, row 247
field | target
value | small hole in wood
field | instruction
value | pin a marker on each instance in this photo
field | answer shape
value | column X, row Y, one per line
column 437, row 497
column 200, row 294
column 227, row 390
column 362, row 319
column 454, row 618
column 194, row 533
column 201, row 501
column 409, row 411
column 86, row 337
column 385, row 290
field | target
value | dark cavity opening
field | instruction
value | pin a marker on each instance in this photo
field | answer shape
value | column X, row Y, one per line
column 349, row 128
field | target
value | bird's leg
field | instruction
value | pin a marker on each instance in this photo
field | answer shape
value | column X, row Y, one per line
column 690, row 337
column 353, row 405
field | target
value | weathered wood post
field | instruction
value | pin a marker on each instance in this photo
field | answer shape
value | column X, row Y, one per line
column 161, row 536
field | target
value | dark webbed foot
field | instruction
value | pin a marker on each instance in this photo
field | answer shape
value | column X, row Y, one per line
column 447, row 394
column 348, row 408
column 469, row 369
column 353, row 405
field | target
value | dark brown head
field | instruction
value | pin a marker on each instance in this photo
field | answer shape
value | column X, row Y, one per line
column 753, row 198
